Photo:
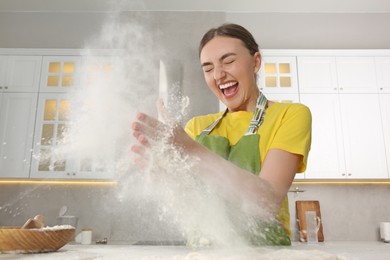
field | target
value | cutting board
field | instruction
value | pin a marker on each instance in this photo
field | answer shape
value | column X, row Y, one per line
column 301, row 207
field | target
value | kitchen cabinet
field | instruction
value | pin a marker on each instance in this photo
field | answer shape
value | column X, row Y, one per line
column 60, row 73
column 356, row 75
column 385, row 113
column 51, row 159
column 19, row 84
column 317, row 75
column 19, row 73
column 17, row 116
column 337, row 75
column 326, row 158
column 278, row 75
column 347, row 139
column 382, row 66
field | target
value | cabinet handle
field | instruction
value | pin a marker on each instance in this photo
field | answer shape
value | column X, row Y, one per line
column 381, row 88
column 341, row 88
column 1, row 87
column 5, row 87
column 349, row 174
column 343, row 174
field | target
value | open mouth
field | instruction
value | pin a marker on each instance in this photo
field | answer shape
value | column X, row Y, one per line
column 229, row 89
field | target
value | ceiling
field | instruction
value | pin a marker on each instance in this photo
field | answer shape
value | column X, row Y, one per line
column 253, row 6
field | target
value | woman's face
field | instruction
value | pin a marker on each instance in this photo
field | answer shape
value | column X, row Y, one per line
column 229, row 70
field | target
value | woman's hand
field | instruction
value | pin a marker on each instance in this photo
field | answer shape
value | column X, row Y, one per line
column 149, row 131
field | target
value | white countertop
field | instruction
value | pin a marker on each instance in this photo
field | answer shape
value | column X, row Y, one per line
column 326, row 250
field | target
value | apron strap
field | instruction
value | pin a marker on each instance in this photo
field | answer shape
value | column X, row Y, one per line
column 212, row 126
column 257, row 118
column 258, row 115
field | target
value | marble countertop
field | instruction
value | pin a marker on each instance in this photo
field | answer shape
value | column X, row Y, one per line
column 326, row 250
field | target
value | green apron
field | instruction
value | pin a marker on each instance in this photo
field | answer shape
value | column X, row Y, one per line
column 246, row 154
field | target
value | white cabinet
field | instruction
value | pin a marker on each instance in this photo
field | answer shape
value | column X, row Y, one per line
column 363, row 136
column 19, row 83
column 383, row 74
column 317, row 75
column 347, row 137
column 17, row 116
column 60, row 73
column 278, row 75
column 385, row 109
column 356, row 75
column 51, row 159
column 19, row 73
column 326, row 158
column 337, row 75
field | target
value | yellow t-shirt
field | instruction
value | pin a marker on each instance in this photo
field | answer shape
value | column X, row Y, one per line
column 286, row 126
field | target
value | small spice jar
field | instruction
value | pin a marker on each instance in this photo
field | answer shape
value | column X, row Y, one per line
column 86, row 236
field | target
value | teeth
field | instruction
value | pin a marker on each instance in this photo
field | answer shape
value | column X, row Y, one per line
column 227, row 85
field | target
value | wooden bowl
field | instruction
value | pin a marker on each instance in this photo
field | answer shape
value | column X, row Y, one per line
column 48, row 239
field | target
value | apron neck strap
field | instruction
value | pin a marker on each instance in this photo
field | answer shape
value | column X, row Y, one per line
column 258, row 115
column 257, row 118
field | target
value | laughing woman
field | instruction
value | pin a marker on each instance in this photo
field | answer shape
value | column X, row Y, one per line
column 254, row 148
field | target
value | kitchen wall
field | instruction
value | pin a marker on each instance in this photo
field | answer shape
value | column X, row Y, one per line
column 349, row 212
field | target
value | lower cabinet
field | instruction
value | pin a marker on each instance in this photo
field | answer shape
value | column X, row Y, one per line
column 326, row 158
column 363, row 136
column 385, row 113
column 51, row 158
column 17, row 116
column 348, row 140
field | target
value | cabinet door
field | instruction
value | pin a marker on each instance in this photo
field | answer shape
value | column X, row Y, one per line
column 17, row 117
column 385, row 112
column 51, row 159
column 3, row 66
column 326, row 158
column 278, row 75
column 383, row 74
column 60, row 73
column 317, row 75
column 22, row 74
column 356, row 75
column 363, row 136
column 50, row 125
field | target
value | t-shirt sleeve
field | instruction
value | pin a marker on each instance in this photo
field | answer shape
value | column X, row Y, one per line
column 294, row 133
column 190, row 128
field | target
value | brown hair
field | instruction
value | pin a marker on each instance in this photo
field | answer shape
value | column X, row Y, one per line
column 233, row 31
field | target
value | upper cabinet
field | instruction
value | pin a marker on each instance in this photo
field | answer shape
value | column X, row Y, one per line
column 277, row 79
column 60, row 73
column 356, row 75
column 340, row 74
column 382, row 66
column 278, row 75
column 20, row 73
column 317, row 75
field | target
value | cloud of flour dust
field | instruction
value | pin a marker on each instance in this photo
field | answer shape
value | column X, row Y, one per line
column 118, row 80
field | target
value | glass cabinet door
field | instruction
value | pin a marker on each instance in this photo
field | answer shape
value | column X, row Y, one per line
column 278, row 75
column 53, row 156
column 60, row 73
column 50, row 125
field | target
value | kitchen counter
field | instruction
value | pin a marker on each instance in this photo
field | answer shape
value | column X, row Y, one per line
column 326, row 250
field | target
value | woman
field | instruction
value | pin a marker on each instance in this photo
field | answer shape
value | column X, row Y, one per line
column 254, row 148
